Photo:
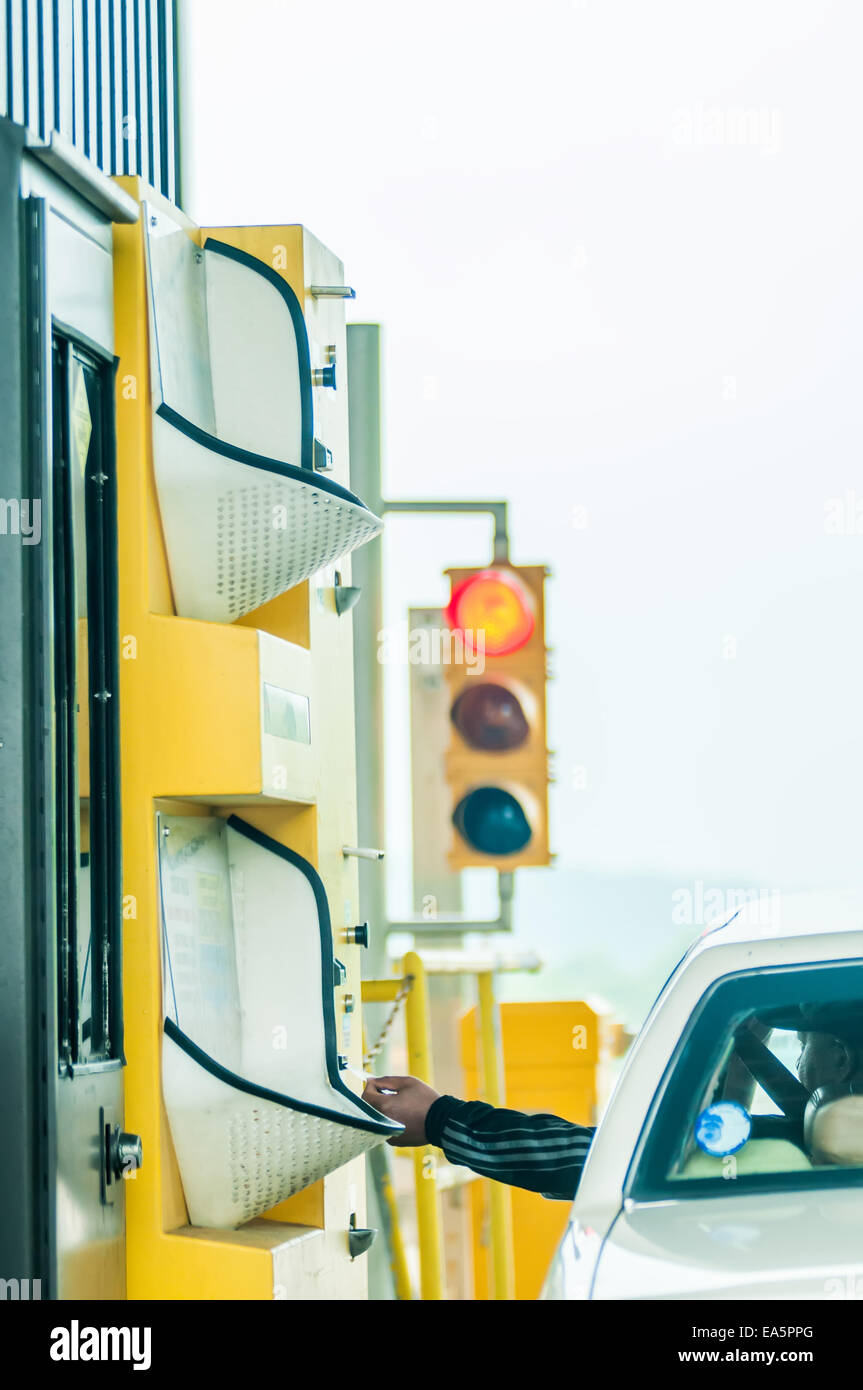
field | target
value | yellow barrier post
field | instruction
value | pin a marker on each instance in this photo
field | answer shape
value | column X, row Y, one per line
column 491, row 1045
column 390, row 1221
column 378, row 992
column 427, row 1199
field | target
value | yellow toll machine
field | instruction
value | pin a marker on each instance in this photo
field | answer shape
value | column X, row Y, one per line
column 551, row 1055
column 240, row 905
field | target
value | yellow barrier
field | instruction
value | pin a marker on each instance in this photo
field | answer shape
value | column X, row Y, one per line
column 418, row 1030
column 419, row 1052
column 427, row 1200
column 551, row 1056
column 491, row 1047
column 390, row 1220
column 380, row 991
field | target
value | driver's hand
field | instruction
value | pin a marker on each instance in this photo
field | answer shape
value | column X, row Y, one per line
column 405, row 1099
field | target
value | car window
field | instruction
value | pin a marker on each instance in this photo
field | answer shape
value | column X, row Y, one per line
column 766, row 1087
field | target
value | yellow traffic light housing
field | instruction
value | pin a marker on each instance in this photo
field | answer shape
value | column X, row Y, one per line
column 497, row 760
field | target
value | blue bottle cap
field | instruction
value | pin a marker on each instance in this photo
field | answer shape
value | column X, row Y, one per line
column 722, row 1128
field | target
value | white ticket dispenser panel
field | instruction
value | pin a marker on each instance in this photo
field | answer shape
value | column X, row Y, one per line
column 244, row 513
column 255, row 1099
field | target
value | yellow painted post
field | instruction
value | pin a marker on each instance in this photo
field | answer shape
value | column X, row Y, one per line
column 427, row 1198
column 491, row 1046
column 392, row 1225
column 378, row 991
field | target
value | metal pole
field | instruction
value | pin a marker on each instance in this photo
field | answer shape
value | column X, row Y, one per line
column 502, row 1254
column 364, row 423
column 364, row 417
column 427, row 1198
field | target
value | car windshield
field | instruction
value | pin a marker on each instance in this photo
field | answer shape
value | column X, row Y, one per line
column 769, row 1081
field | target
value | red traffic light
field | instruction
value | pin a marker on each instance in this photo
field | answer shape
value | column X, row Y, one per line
column 495, row 603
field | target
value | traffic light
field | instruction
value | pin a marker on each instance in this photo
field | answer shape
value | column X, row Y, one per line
column 497, row 760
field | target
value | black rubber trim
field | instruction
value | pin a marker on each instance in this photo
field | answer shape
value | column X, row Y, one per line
column 301, row 334
column 249, row 1088
column 81, row 340
column 375, row 1123
column 112, row 601
column 233, row 451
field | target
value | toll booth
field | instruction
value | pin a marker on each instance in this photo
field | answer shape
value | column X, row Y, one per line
column 61, row 1011
column 180, row 1001
column 238, row 762
column 85, row 91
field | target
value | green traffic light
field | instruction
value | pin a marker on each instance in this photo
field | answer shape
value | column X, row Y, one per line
column 492, row 821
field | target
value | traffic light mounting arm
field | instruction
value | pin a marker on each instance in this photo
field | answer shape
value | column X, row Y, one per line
column 497, row 510
column 503, row 921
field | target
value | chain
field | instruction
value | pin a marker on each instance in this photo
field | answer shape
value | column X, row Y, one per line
column 377, row 1047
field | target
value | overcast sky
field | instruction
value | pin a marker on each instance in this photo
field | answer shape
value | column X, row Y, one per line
column 616, row 252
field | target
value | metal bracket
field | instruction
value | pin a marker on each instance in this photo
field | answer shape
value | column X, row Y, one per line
column 345, row 596
column 360, row 1238
column 453, row 921
column 498, row 510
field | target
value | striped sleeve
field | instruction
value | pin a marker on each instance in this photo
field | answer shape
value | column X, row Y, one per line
column 540, row 1152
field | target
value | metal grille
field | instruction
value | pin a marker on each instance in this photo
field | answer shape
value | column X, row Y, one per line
column 100, row 72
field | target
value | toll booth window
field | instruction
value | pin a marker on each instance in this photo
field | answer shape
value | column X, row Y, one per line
column 767, row 1088
column 88, row 890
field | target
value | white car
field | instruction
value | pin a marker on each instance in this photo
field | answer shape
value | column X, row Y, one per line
column 719, row 1170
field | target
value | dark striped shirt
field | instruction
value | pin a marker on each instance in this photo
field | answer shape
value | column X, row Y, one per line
column 540, row 1152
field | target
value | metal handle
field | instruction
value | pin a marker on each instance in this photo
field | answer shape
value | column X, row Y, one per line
column 332, row 292
column 126, row 1153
